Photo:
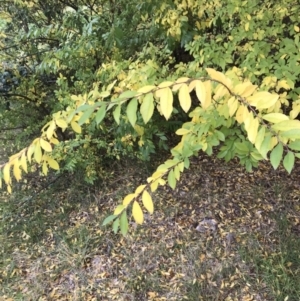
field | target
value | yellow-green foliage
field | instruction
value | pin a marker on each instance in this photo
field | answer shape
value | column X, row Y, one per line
column 108, row 78
column 226, row 100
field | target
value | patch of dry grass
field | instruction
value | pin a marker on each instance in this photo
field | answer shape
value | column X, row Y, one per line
column 54, row 248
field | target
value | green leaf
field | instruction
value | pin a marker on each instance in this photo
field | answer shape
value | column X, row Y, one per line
column 288, row 161
column 276, row 155
column 100, row 114
column 265, row 147
column 116, row 225
column 116, row 114
column 82, row 108
column 292, row 134
column 241, row 147
column 85, row 116
column 294, row 145
column 177, row 172
column 108, row 219
column 147, row 107
column 128, row 94
column 131, row 111
column 172, row 179
column 220, row 135
column 124, row 223
column 186, row 163
column 249, row 166
column 181, row 166
column 297, row 155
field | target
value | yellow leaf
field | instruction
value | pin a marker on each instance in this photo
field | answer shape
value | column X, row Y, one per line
column 13, row 157
column 296, row 28
column 146, row 89
column 249, row 90
column 45, row 145
column 30, row 151
column 252, row 130
column 248, row 121
column 244, row 89
column 294, row 113
column 158, row 173
column 166, row 102
column 6, row 174
column 207, row 85
column 275, row 117
column 53, row 163
column 161, row 182
column 179, row 82
column 239, row 116
column 232, row 105
column 182, row 80
column 147, row 107
column 154, row 185
column 182, row 132
column 51, row 130
column 184, row 98
column 219, row 77
column 23, row 162
column 263, row 100
column 282, row 84
column 260, row 138
column 45, row 168
column 38, row 153
column 139, row 189
column 274, row 142
column 247, row 26
column 240, row 88
column 201, row 93
column 220, row 92
column 9, row 189
column 267, row 103
column 17, row 170
column 192, row 85
column 61, row 123
column 147, row 201
column 76, row 127
column 128, row 198
column 119, row 209
column 54, row 141
column 287, row 125
column 165, row 84
column 137, row 213
column 254, row 99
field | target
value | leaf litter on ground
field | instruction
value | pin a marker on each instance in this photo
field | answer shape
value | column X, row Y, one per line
column 198, row 245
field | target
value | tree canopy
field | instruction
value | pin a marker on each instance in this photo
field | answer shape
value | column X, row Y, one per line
column 85, row 82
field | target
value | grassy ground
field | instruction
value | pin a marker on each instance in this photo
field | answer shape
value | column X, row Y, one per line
column 54, row 248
